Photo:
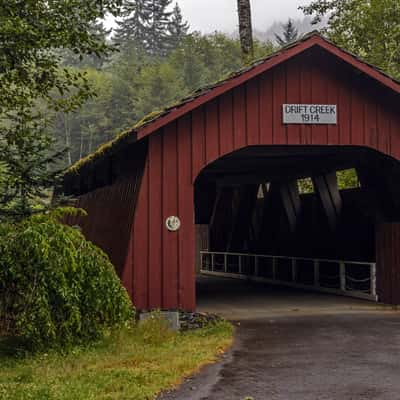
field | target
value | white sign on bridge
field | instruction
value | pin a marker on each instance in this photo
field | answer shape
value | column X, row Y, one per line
column 310, row 114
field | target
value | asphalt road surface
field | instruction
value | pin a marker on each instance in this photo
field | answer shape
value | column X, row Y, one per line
column 295, row 345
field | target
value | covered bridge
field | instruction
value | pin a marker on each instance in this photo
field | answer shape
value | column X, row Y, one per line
column 219, row 172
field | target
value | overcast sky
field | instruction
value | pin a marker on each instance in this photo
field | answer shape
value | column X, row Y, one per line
column 221, row 15
column 212, row 15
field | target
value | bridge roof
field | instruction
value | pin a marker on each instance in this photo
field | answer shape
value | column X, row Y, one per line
column 156, row 120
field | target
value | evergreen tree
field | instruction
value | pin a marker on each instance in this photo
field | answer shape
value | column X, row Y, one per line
column 33, row 86
column 101, row 34
column 158, row 28
column 134, row 26
column 178, row 28
column 290, row 34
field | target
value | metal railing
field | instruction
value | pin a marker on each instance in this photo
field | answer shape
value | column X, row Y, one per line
column 349, row 278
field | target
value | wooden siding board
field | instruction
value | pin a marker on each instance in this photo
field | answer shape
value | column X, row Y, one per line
column 395, row 136
column 319, row 96
column 371, row 122
column 333, row 86
column 198, row 141
column 394, row 264
column 212, row 131
column 239, row 105
column 226, row 123
column 279, row 84
column 265, row 111
column 293, row 82
column 387, row 261
column 383, row 129
column 344, row 112
column 252, row 112
column 305, row 98
column 141, row 245
column 357, row 118
column 155, row 220
column 170, row 208
column 185, row 206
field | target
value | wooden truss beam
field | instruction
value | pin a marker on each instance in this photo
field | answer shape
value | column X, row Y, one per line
column 327, row 189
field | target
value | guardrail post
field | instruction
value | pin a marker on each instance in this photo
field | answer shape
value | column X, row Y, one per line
column 316, row 273
column 373, row 279
column 226, row 263
column 212, row 262
column 240, row 265
column 294, row 270
column 255, row 266
column 342, row 276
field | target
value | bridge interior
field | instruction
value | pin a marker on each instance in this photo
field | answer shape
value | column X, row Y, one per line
column 239, row 300
column 292, row 201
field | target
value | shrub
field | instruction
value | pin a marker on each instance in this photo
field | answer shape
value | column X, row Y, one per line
column 56, row 288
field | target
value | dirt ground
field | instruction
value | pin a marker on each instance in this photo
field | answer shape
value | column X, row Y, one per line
column 292, row 345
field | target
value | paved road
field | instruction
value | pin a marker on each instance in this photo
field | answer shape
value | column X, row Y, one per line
column 304, row 346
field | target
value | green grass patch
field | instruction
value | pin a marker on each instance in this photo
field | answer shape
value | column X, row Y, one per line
column 133, row 364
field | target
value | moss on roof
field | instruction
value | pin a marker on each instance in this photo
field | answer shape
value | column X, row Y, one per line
column 108, row 147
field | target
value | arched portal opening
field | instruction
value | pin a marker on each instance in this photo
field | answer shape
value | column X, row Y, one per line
column 298, row 216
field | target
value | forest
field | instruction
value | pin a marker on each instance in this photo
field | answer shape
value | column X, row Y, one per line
column 156, row 61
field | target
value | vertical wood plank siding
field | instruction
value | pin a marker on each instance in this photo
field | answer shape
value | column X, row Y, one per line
column 109, row 222
column 163, row 261
column 388, row 262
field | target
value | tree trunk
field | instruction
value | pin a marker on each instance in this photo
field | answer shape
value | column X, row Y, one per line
column 67, row 132
column 245, row 30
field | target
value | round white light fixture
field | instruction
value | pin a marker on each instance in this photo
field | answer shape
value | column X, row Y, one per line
column 173, row 223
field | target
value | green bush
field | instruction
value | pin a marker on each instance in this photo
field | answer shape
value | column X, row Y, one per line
column 56, row 288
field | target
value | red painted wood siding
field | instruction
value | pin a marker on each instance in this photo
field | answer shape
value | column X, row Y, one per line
column 163, row 262
column 388, row 263
column 109, row 222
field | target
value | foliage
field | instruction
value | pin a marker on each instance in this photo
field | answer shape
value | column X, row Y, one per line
column 290, row 34
column 30, row 31
column 161, row 84
column 150, row 25
column 348, row 179
column 56, row 288
column 135, row 83
column 370, row 29
column 124, row 365
column 306, row 186
column 97, row 61
column 132, row 28
column 178, row 28
column 32, row 83
column 27, row 167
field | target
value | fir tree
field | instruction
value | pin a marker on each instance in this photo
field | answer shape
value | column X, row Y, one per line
column 290, row 34
column 101, row 33
column 157, row 44
column 178, row 28
column 134, row 27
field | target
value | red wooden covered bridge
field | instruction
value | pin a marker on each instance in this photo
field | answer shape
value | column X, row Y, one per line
column 219, row 172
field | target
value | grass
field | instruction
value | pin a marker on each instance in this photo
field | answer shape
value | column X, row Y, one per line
column 135, row 364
